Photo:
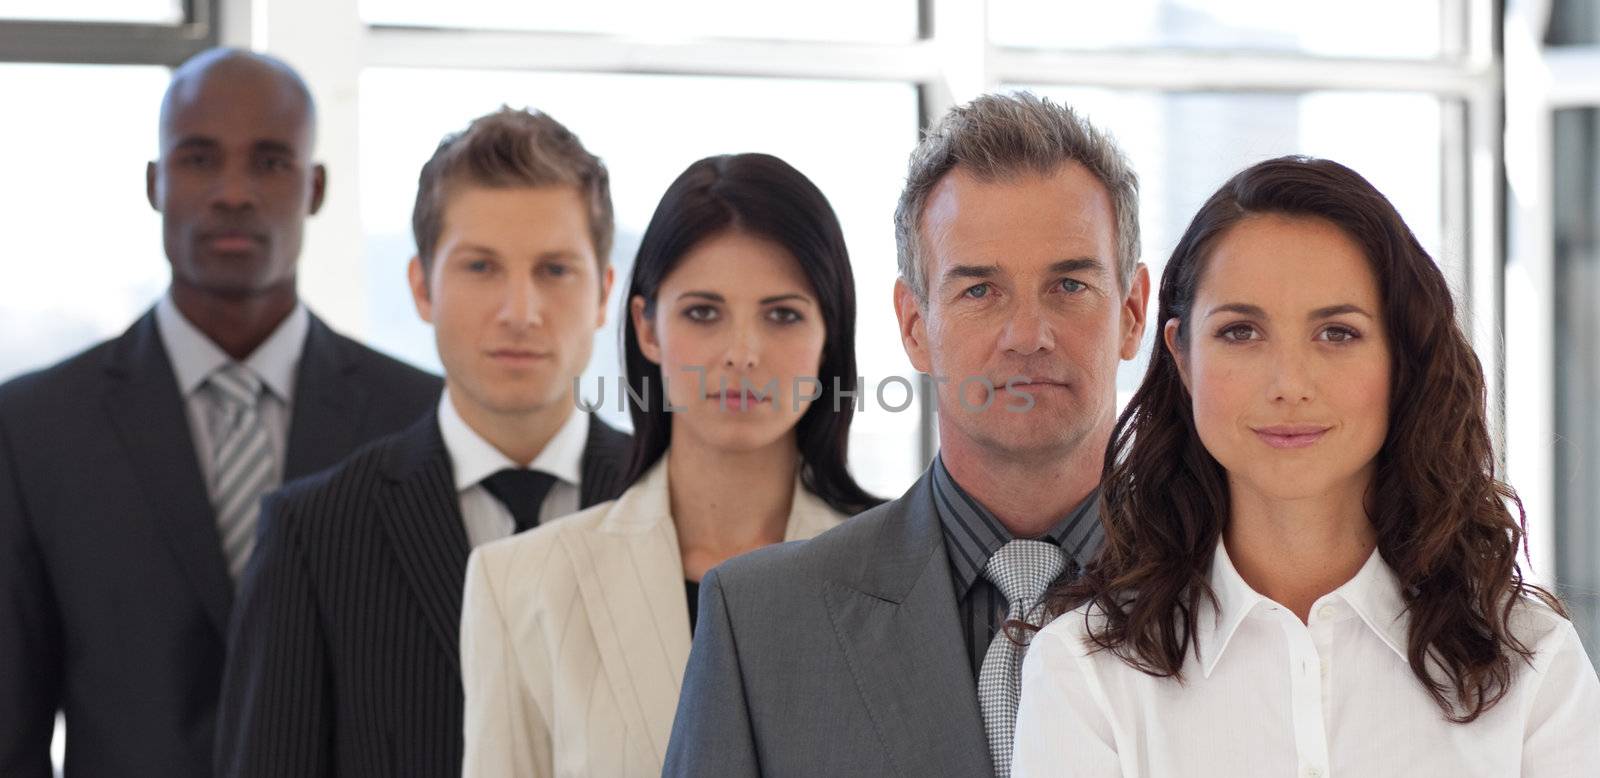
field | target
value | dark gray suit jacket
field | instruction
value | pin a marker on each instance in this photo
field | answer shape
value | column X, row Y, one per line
column 837, row 656
column 345, row 649
column 114, row 593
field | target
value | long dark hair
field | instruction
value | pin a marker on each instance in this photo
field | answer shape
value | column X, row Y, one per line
column 1440, row 513
column 761, row 195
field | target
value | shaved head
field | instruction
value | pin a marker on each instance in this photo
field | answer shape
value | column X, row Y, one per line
column 236, row 66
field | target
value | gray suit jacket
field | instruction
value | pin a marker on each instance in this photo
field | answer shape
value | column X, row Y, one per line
column 837, row 656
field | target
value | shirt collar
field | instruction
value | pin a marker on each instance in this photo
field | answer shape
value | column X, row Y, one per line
column 972, row 534
column 1374, row 594
column 195, row 357
column 474, row 459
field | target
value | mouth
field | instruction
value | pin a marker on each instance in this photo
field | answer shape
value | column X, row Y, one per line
column 233, row 241
column 734, row 400
column 518, row 356
column 1291, row 435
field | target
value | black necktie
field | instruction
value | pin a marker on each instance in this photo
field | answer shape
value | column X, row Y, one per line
column 522, row 492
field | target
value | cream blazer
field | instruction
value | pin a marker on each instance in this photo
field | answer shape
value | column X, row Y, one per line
column 574, row 638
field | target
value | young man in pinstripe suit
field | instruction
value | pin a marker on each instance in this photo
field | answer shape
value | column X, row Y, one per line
column 344, row 656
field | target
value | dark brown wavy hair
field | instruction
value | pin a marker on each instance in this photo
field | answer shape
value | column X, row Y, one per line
column 1442, row 518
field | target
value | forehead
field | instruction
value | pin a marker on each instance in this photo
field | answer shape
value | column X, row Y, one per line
column 737, row 263
column 1278, row 261
column 521, row 213
column 1029, row 218
column 236, row 104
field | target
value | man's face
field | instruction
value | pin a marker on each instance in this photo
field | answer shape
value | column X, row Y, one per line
column 514, row 295
column 234, row 182
column 1022, row 289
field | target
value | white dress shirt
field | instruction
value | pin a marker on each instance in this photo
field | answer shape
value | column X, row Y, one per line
column 474, row 459
column 1268, row 695
column 195, row 357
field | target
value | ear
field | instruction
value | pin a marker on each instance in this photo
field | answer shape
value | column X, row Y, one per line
column 606, row 280
column 150, row 185
column 319, row 187
column 645, row 330
column 913, row 326
column 417, row 277
column 1134, row 308
column 1180, row 356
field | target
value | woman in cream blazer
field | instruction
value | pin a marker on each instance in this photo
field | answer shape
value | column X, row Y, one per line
column 740, row 325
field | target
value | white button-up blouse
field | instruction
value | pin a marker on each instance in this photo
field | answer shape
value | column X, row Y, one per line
column 1268, row 695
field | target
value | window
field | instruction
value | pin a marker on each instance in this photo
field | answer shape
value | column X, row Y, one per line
column 1407, row 29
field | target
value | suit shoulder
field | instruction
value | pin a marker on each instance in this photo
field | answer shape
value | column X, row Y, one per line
column 536, row 545
column 58, row 383
column 392, row 375
column 360, row 471
column 781, row 565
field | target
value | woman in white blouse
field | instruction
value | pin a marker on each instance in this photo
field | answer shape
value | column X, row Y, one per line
column 1310, row 568
column 740, row 329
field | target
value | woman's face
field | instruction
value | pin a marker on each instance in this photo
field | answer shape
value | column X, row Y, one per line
column 738, row 334
column 1287, row 359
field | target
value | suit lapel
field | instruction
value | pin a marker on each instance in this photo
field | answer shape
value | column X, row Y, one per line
column 327, row 407
column 148, row 414
column 895, row 614
column 631, row 580
column 605, row 461
column 421, row 514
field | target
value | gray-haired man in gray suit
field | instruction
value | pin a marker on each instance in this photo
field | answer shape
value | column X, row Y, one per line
column 875, row 648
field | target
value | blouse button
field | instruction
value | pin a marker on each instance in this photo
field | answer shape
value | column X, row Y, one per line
column 1327, row 611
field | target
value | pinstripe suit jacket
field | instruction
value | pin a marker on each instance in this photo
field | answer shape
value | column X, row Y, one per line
column 344, row 650
column 574, row 638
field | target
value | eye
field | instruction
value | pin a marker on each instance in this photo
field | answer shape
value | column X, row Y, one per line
column 977, row 292
column 1239, row 333
column 194, row 159
column 1338, row 333
column 479, row 266
column 275, row 164
column 1072, row 285
column 784, row 315
column 700, row 313
column 555, row 269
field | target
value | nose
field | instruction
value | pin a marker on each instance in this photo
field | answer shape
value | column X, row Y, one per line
column 1027, row 330
column 235, row 188
column 522, row 305
column 1292, row 381
column 744, row 349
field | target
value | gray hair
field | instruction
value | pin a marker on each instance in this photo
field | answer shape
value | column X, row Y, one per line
column 995, row 138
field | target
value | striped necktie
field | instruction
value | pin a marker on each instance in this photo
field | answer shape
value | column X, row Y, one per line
column 241, row 461
column 1021, row 570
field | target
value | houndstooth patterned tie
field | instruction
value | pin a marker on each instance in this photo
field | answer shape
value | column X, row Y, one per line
column 241, row 461
column 1021, row 570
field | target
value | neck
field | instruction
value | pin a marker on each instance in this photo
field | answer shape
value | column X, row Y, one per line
column 1029, row 495
column 520, row 436
column 238, row 325
column 714, row 522
column 1296, row 551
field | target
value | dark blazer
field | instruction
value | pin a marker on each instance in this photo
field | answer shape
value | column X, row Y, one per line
column 345, row 645
column 114, row 593
column 838, row 656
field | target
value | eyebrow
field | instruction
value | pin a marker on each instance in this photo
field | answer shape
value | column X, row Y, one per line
column 717, row 298
column 1258, row 312
column 274, row 146
column 1056, row 268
